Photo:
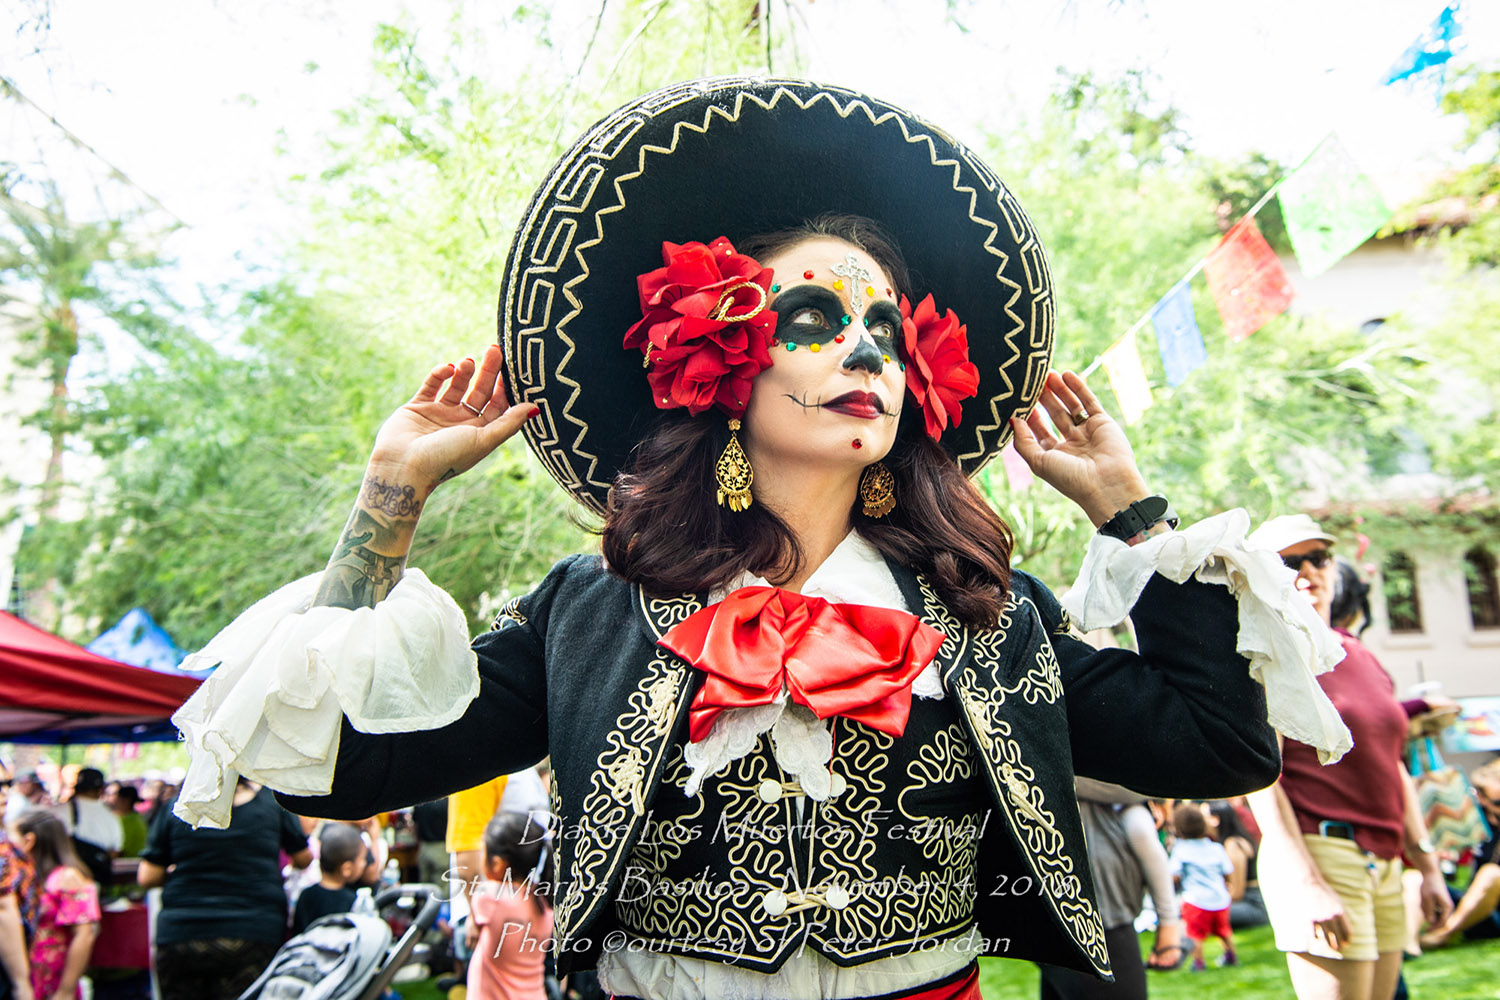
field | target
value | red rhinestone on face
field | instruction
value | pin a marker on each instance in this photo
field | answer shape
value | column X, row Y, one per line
column 858, row 444
column 807, row 275
column 838, row 338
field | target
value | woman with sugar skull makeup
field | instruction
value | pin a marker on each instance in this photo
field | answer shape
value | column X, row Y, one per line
column 811, row 735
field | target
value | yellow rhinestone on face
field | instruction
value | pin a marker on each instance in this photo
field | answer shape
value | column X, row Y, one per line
column 838, row 284
column 870, row 291
column 886, row 358
column 815, row 348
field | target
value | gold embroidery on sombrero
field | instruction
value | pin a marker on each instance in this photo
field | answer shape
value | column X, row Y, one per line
column 571, row 187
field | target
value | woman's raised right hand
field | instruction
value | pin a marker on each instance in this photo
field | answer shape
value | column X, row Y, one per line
column 457, row 417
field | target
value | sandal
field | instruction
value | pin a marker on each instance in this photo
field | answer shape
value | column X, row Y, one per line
column 1156, row 962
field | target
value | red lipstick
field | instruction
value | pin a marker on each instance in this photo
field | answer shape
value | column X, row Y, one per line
column 865, row 405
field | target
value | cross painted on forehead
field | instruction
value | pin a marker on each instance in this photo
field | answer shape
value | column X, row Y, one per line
column 858, row 277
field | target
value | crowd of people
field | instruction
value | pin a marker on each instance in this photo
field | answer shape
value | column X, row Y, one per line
column 232, row 897
column 1320, row 854
column 57, row 853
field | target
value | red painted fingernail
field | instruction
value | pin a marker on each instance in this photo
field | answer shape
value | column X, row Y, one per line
column 534, row 411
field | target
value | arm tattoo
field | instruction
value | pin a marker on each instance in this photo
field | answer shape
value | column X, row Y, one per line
column 388, row 498
column 357, row 576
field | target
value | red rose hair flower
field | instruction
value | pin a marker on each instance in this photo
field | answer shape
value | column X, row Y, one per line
column 705, row 328
column 939, row 374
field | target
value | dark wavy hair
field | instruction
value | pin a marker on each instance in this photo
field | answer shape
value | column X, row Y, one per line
column 1351, row 598
column 522, row 841
column 664, row 531
column 1230, row 824
column 53, row 848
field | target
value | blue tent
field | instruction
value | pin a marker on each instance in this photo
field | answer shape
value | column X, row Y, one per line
column 136, row 639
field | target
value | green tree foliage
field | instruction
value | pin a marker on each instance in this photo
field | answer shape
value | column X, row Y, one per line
column 64, row 281
column 426, row 176
column 1468, row 334
column 1125, row 208
column 231, row 465
column 230, row 473
column 1476, row 97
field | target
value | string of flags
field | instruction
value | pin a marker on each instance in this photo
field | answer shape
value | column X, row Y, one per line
column 1330, row 207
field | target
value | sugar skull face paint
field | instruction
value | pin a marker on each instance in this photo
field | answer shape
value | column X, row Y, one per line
column 837, row 377
column 857, row 277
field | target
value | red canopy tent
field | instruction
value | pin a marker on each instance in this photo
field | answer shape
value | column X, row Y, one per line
column 52, row 691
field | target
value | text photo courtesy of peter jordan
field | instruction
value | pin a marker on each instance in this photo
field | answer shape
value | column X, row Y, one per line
column 810, row 734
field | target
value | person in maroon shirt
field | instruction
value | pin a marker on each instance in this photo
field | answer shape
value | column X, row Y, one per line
column 1333, row 837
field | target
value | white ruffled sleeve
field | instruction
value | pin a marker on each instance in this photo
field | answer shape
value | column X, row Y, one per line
column 1287, row 644
column 287, row 673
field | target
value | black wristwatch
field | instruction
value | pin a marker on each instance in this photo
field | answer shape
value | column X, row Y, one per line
column 1140, row 516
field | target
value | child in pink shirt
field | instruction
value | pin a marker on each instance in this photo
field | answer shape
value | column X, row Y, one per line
column 513, row 911
column 68, row 910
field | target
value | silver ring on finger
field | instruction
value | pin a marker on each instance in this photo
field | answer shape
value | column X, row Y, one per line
column 477, row 413
column 1080, row 418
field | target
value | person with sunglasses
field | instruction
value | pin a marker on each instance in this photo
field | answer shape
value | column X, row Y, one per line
column 1333, row 836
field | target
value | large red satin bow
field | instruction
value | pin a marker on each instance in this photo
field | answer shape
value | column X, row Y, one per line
column 837, row 659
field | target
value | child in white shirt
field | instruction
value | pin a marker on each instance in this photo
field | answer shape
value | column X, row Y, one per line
column 1201, row 866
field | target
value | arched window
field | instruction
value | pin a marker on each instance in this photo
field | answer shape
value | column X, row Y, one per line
column 1403, row 605
column 1484, row 593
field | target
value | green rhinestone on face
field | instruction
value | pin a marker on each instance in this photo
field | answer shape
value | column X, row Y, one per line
column 775, row 288
column 844, row 319
column 791, row 346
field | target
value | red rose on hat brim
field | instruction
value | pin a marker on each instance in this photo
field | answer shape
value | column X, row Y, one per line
column 939, row 374
column 695, row 360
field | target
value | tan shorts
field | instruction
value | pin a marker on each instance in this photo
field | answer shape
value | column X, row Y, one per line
column 1369, row 887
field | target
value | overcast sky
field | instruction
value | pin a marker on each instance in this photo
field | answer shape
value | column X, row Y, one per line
column 191, row 98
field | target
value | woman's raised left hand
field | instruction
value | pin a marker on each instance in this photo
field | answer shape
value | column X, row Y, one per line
column 1084, row 455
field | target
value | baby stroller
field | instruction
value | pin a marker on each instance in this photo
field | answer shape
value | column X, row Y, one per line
column 348, row 956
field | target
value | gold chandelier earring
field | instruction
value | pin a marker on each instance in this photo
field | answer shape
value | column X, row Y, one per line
column 877, row 490
column 733, row 473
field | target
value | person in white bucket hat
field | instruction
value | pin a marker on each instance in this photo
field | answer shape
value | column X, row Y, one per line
column 1333, row 836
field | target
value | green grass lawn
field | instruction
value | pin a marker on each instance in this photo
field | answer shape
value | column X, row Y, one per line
column 1464, row 972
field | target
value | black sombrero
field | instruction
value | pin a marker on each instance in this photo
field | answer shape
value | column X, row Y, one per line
column 736, row 156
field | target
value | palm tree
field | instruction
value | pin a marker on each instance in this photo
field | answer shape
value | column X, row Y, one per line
column 54, row 268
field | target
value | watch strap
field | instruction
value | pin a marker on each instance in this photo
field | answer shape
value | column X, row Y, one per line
column 1140, row 516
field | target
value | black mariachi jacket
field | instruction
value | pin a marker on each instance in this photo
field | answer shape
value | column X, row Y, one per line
column 573, row 669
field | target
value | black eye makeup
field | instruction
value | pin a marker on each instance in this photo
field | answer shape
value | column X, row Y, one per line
column 883, row 320
column 811, row 314
column 808, row 317
column 808, row 314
